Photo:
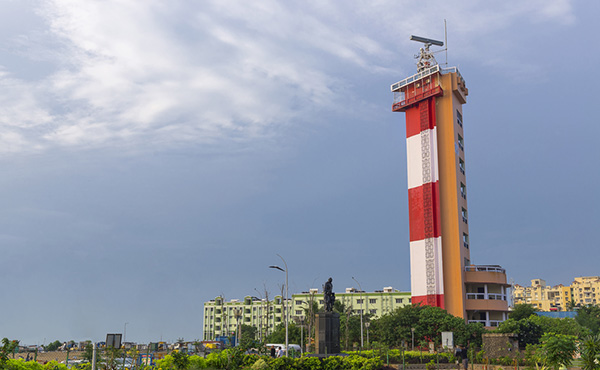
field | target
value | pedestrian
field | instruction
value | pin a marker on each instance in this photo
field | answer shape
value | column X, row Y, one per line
column 273, row 351
column 279, row 352
column 463, row 354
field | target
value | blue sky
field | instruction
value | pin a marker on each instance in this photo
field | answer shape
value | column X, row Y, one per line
column 157, row 154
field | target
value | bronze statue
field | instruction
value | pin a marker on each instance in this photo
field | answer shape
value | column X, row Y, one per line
column 328, row 295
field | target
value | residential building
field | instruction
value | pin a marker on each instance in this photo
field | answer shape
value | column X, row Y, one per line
column 583, row 291
column 586, row 290
column 222, row 317
column 376, row 304
column 442, row 274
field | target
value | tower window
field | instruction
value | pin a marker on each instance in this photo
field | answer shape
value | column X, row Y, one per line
column 464, row 215
column 459, row 118
column 463, row 190
column 465, row 240
column 461, row 143
column 461, row 165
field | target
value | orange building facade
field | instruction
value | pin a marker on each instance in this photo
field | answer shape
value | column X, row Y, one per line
column 441, row 271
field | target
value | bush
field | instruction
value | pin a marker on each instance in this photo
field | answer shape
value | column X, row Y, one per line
column 197, row 363
column 260, row 364
column 308, row 363
column 216, row 360
column 12, row 364
column 165, row 363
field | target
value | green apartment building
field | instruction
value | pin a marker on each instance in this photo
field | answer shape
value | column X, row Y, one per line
column 222, row 317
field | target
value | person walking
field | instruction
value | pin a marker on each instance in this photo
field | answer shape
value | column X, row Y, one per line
column 463, row 355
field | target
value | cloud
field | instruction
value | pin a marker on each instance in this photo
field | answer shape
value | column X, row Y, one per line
column 156, row 73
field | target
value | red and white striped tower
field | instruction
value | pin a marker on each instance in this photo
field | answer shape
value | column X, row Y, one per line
column 417, row 97
column 441, row 271
column 427, row 286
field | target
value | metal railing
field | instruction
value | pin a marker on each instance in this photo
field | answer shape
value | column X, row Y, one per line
column 485, row 268
column 492, row 323
column 490, row 296
column 425, row 73
column 415, row 77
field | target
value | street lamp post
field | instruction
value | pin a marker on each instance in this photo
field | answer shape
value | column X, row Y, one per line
column 367, row 326
column 412, row 331
column 361, row 313
column 287, row 311
column 124, row 338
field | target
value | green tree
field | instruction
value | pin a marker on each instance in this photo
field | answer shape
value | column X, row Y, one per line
column 180, row 360
column 88, row 352
column 429, row 322
column 112, row 358
column 522, row 311
column 248, row 339
column 350, row 329
column 470, row 334
column 590, row 350
column 278, row 334
column 589, row 316
column 339, row 307
column 434, row 320
column 8, row 347
column 528, row 331
column 393, row 329
column 567, row 326
column 556, row 350
column 53, row 346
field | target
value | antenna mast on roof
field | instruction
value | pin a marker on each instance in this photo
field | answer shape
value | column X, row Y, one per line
column 425, row 57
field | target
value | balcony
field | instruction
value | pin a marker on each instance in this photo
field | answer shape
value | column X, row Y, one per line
column 489, row 274
column 486, row 305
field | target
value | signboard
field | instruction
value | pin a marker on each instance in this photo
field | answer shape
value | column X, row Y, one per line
column 113, row 340
column 448, row 339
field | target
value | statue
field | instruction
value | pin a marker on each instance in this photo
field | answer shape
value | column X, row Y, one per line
column 328, row 295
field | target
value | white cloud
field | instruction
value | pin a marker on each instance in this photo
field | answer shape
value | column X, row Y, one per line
column 169, row 72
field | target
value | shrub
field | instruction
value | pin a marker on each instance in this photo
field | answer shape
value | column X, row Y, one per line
column 260, row 364
column 308, row 363
column 197, row 363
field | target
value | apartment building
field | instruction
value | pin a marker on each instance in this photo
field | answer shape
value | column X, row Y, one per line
column 583, row 291
column 221, row 317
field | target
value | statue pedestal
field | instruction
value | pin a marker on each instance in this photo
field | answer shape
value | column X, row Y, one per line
column 327, row 332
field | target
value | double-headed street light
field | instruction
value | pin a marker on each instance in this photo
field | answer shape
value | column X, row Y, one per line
column 287, row 311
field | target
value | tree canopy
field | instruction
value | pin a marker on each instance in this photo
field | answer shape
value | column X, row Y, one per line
column 589, row 316
column 522, row 311
column 394, row 329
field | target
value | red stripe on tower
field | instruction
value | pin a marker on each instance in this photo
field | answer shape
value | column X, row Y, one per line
column 424, row 205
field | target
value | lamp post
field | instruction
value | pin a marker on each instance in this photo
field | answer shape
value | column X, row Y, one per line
column 361, row 313
column 367, row 324
column 412, row 331
column 123, row 345
column 287, row 311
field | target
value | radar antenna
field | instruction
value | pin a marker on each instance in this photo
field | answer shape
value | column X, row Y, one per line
column 425, row 57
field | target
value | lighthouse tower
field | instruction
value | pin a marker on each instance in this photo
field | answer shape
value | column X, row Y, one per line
column 440, row 264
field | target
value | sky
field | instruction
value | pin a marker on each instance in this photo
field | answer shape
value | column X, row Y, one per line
column 158, row 154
